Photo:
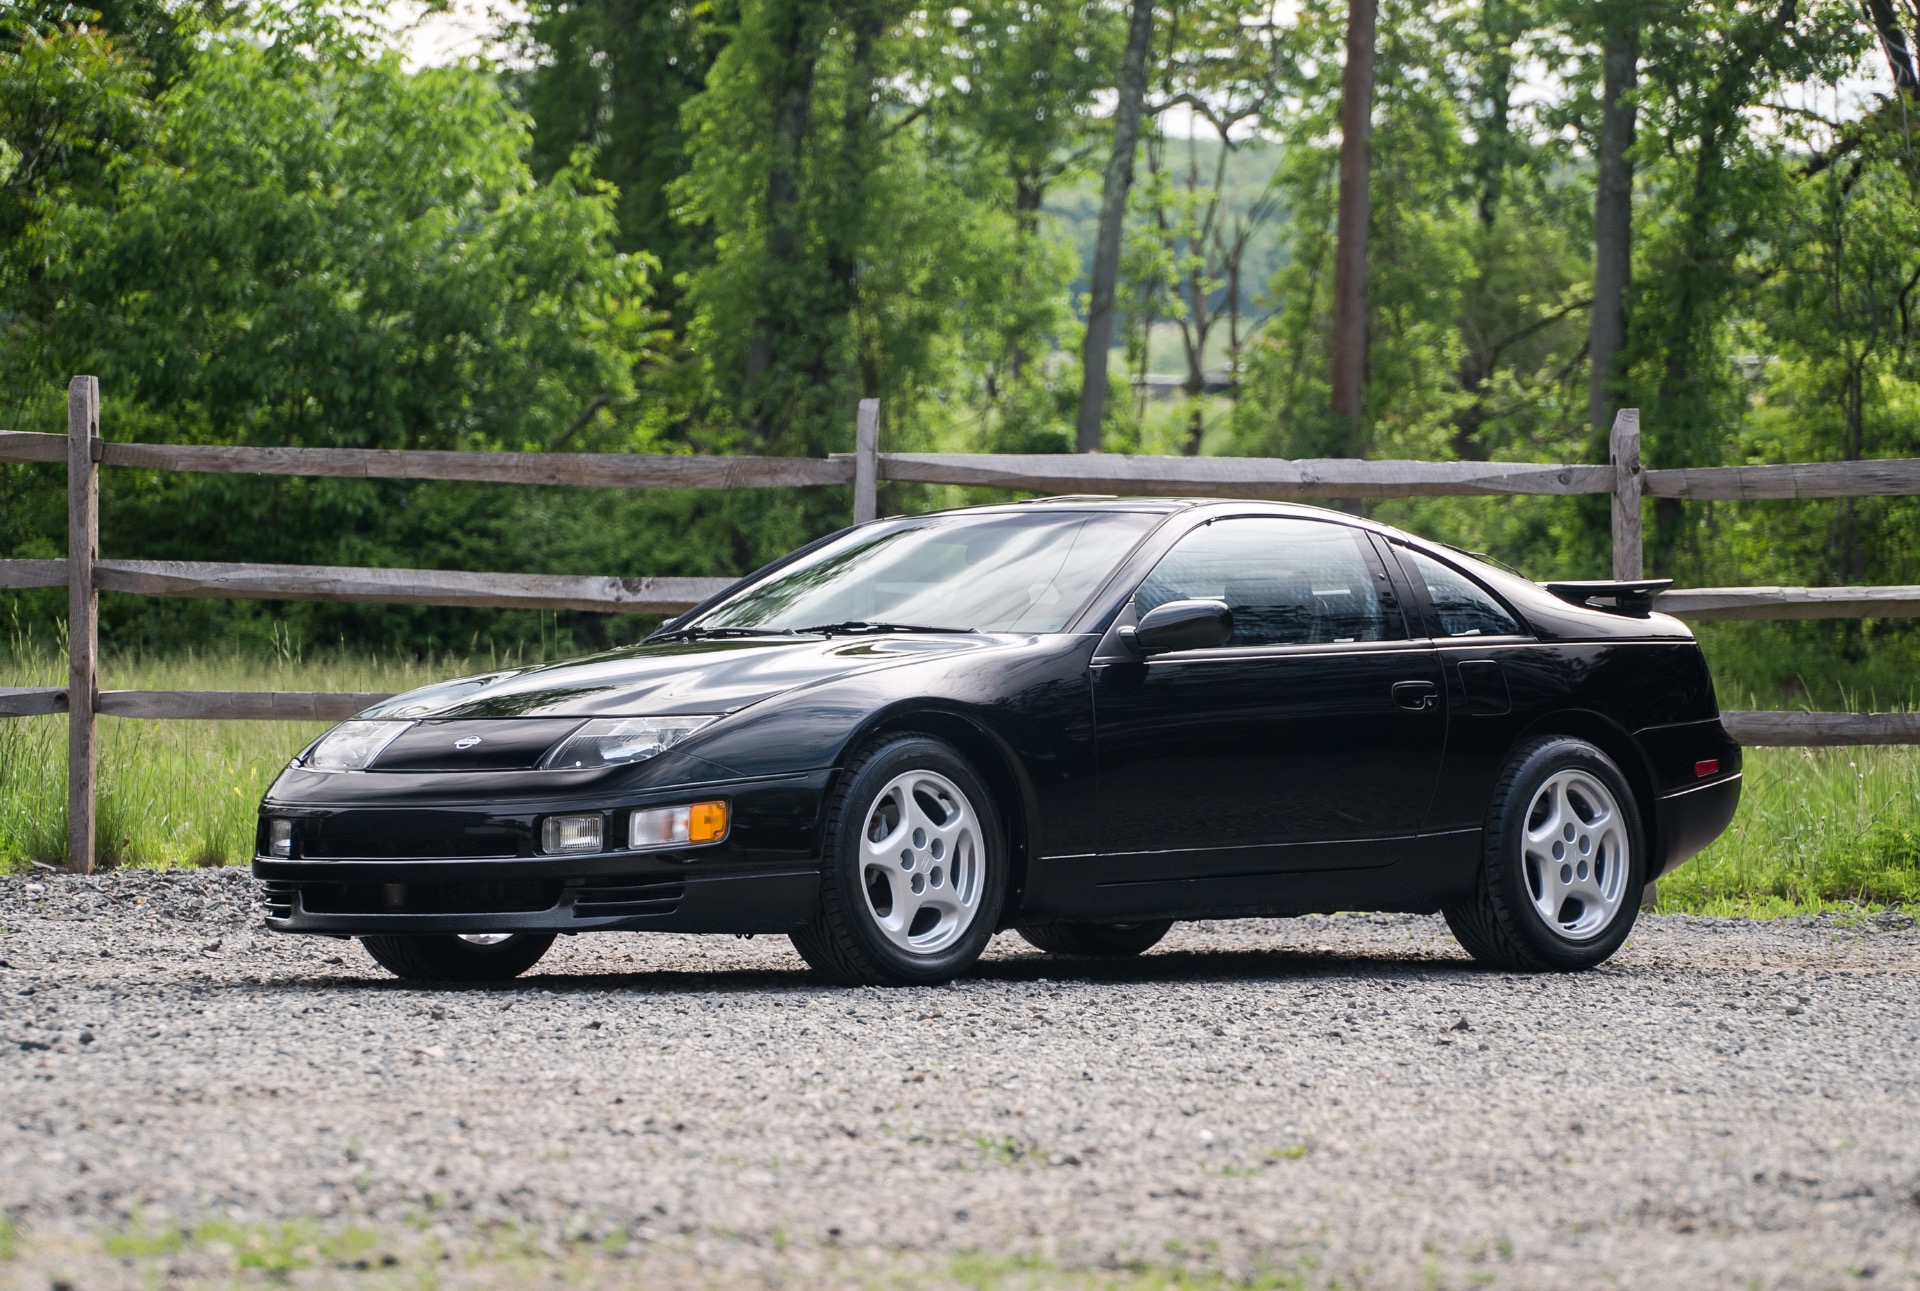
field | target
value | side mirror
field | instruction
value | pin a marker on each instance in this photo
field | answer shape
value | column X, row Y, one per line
column 1180, row 625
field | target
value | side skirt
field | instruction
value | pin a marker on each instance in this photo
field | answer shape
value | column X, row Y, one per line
column 1437, row 869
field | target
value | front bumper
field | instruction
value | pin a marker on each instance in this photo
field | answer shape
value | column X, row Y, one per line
column 459, row 865
column 465, row 897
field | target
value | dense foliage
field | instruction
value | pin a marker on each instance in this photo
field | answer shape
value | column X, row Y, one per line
column 663, row 227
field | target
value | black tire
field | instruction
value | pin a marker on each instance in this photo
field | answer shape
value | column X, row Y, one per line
column 1095, row 940
column 1499, row 923
column 844, row 941
column 446, row 958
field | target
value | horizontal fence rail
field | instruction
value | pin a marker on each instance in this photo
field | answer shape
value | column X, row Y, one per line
column 405, row 586
column 1237, row 477
column 83, row 451
column 1241, row 477
column 1883, row 478
column 617, row 595
column 208, row 705
column 1755, row 729
column 1707, row 604
column 1801, row 730
column 593, row 470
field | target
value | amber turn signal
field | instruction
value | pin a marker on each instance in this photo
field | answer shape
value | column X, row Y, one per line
column 706, row 822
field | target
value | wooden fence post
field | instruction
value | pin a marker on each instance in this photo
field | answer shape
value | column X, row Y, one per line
column 1623, row 450
column 83, row 617
column 866, row 462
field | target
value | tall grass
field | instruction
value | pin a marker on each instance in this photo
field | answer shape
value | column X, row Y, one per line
column 171, row 793
column 1815, row 828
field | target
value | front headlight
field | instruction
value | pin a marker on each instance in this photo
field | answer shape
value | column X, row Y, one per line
column 610, row 741
column 352, row 746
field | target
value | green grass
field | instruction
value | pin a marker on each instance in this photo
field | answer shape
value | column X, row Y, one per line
column 1816, row 828
column 171, row 793
column 227, row 1253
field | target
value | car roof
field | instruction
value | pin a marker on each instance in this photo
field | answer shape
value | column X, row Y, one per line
column 1168, row 506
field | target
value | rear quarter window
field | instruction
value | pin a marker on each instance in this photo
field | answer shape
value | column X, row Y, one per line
column 1461, row 607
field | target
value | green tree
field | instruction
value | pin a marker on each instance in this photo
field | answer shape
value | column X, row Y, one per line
column 1722, row 183
column 612, row 77
column 317, row 247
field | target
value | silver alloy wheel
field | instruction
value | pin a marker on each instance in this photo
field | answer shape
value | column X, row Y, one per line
column 922, row 862
column 484, row 938
column 1575, row 854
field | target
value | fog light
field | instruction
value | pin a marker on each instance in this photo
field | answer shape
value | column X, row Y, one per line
column 571, row 833
column 698, row 822
column 280, row 838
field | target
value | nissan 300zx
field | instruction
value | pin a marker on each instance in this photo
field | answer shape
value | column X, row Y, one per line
column 1080, row 719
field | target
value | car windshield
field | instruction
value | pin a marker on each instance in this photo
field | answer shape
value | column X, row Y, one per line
column 996, row 572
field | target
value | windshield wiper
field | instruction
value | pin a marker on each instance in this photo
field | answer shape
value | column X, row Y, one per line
column 708, row 634
column 856, row 626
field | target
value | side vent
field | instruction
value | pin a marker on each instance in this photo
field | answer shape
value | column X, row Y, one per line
column 1634, row 599
column 279, row 899
column 612, row 898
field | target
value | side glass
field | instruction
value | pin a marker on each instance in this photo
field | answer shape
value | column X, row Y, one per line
column 1288, row 582
column 1462, row 607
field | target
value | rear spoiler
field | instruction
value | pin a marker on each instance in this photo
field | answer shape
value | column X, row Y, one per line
column 1634, row 599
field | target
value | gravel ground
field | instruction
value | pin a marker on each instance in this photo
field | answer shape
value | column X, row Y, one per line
column 1344, row 1099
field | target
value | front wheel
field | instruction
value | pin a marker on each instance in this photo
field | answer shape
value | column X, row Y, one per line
column 1563, row 866
column 912, row 872
column 1095, row 940
column 449, row 957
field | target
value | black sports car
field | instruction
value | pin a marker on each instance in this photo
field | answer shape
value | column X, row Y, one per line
column 1079, row 718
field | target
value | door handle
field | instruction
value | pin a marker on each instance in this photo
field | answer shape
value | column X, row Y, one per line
column 1416, row 695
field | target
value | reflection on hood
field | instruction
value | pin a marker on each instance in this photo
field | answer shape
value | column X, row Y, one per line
column 716, row 676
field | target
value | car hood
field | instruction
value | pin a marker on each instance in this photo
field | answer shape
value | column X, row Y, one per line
column 669, row 677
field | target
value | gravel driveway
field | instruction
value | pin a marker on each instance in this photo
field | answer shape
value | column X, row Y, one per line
column 1338, row 1099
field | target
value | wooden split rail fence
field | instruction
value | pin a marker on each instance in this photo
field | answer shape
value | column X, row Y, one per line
column 85, row 575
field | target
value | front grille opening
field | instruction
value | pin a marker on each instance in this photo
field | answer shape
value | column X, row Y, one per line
column 489, row 844
column 616, row 897
column 497, row 897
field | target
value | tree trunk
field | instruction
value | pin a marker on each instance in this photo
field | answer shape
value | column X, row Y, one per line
column 1493, row 143
column 1492, row 150
column 1893, row 43
column 1113, row 211
column 1029, row 195
column 1350, row 250
column 857, row 157
column 1612, row 219
column 1700, row 278
column 793, row 98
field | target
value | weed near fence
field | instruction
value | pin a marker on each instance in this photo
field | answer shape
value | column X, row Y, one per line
column 177, row 793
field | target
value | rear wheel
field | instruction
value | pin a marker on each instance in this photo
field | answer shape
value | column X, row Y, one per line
column 449, row 957
column 913, row 869
column 1096, row 939
column 1560, row 878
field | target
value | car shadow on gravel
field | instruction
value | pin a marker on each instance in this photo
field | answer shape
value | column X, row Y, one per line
column 1160, row 968
column 1170, row 966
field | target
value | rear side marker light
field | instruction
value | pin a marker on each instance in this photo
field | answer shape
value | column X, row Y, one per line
column 697, row 822
column 564, row 834
column 1710, row 766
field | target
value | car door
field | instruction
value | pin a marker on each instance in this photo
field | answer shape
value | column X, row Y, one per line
column 1496, row 675
column 1311, row 741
